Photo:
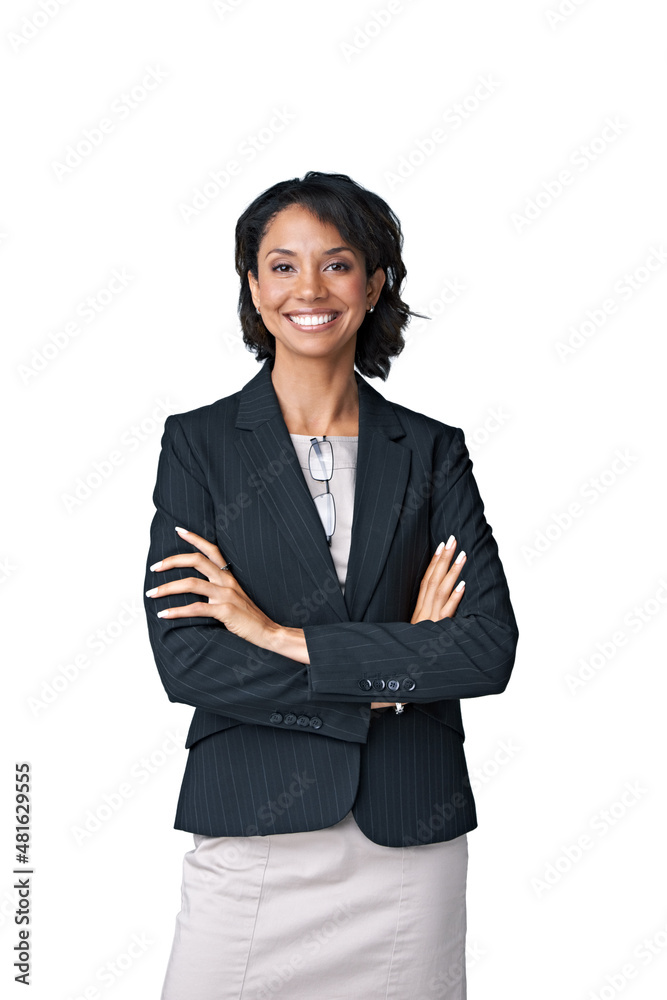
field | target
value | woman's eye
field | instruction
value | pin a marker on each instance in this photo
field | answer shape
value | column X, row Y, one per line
column 337, row 264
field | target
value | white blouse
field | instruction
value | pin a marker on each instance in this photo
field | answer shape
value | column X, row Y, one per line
column 341, row 485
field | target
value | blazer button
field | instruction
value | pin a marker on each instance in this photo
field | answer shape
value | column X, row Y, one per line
column 408, row 684
column 276, row 717
column 365, row 685
column 393, row 685
column 289, row 719
column 316, row 723
column 379, row 684
column 303, row 720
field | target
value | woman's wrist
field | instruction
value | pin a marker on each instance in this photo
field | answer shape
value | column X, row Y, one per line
column 289, row 642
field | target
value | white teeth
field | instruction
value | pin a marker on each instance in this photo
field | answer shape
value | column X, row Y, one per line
column 313, row 320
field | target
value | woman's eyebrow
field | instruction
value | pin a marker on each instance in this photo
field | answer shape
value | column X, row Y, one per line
column 325, row 253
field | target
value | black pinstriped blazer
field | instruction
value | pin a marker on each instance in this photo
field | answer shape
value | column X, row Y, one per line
column 277, row 746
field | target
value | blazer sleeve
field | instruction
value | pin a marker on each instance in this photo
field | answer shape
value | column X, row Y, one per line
column 200, row 662
column 466, row 656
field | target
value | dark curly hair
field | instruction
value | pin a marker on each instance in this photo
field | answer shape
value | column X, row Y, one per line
column 365, row 221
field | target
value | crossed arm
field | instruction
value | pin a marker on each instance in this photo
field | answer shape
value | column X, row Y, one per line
column 227, row 602
column 224, row 655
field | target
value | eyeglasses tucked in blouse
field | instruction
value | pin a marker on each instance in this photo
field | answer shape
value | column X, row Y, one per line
column 321, row 464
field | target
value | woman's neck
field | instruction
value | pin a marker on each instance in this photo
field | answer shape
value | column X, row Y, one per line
column 318, row 399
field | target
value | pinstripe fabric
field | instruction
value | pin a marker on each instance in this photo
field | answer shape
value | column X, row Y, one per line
column 229, row 472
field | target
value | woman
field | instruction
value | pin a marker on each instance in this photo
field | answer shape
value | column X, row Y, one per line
column 303, row 594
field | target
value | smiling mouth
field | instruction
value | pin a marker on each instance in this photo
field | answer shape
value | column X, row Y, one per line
column 311, row 321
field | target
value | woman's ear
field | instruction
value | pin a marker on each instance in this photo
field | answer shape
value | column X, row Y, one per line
column 374, row 286
column 254, row 288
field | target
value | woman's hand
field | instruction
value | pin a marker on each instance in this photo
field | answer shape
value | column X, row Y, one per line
column 227, row 601
column 438, row 596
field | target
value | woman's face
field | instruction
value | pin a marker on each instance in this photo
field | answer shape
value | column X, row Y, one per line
column 311, row 286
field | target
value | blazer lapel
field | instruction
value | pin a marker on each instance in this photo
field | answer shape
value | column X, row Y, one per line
column 383, row 468
column 267, row 451
column 382, row 473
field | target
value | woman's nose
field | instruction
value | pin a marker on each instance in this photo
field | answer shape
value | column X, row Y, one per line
column 310, row 283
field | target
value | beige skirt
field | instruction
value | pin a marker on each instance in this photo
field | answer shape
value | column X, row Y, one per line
column 320, row 915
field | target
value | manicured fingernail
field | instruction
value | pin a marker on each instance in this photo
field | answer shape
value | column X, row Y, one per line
column 163, row 614
column 460, row 586
column 460, row 557
column 156, row 566
column 152, row 593
column 439, row 548
column 450, row 542
column 182, row 531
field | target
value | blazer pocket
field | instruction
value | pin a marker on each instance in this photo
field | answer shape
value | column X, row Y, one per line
column 205, row 724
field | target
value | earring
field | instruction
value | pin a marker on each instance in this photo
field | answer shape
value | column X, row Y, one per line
column 256, row 309
column 371, row 309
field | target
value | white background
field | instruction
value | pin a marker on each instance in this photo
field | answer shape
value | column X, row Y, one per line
column 545, row 430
